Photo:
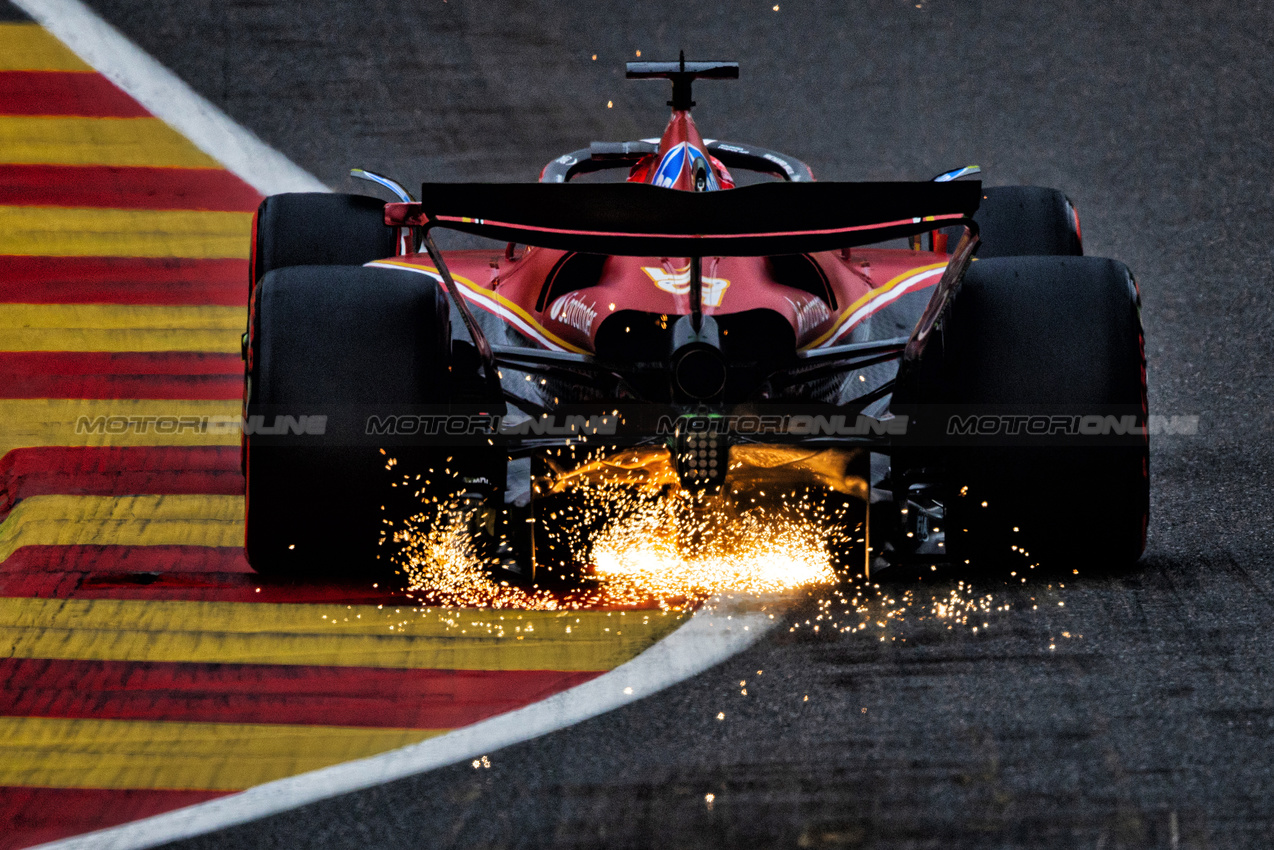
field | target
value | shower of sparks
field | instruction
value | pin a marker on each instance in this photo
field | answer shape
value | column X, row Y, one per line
column 437, row 554
column 866, row 607
column 678, row 548
column 441, row 557
column 673, row 549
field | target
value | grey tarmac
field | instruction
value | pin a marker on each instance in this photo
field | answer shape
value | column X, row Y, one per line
column 1152, row 724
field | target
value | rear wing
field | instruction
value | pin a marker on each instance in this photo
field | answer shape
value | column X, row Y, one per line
column 637, row 219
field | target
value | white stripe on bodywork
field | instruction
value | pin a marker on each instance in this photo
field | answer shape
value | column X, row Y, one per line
column 488, row 304
column 886, row 298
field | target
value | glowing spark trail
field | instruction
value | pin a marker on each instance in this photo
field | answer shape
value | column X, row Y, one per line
column 672, row 549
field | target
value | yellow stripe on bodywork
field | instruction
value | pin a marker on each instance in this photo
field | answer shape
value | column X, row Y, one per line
column 487, row 295
column 120, row 327
column 334, row 635
column 172, row 520
column 83, row 753
column 871, row 296
column 63, row 140
column 29, row 47
column 75, row 232
column 71, row 422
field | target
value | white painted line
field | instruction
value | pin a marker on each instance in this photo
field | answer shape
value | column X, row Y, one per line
column 165, row 96
column 716, row 632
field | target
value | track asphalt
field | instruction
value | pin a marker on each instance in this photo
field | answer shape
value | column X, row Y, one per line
column 1136, row 714
column 146, row 667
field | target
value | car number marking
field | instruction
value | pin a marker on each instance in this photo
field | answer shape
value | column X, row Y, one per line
column 677, row 282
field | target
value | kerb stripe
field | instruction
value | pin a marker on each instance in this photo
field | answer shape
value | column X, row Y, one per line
column 40, row 140
column 84, row 558
column 96, row 374
column 120, row 327
column 62, row 93
column 95, row 232
column 403, row 637
column 118, row 471
column 200, row 520
column 265, row 693
column 75, row 753
column 35, row 815
column 127, row 188
column 29, row 47
column 123, row 280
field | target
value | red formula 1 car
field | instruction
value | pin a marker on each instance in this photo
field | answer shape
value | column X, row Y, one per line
column 676, row 331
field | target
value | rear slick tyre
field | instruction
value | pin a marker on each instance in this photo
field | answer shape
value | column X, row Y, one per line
column 319, row 229
column 1056, row 342
column 339, row 343
column 1024, row 221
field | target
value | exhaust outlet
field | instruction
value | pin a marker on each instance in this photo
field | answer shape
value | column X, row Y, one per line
column 698, row 363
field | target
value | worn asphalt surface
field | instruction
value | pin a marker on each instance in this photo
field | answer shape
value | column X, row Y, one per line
column 1152, row 724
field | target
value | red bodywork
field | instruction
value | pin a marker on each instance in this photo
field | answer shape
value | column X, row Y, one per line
column 822, row 296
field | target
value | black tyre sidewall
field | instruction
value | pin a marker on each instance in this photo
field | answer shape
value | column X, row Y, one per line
column 337, row 341
column 1024, row 221
column 1056, row 334
column 320, row 229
